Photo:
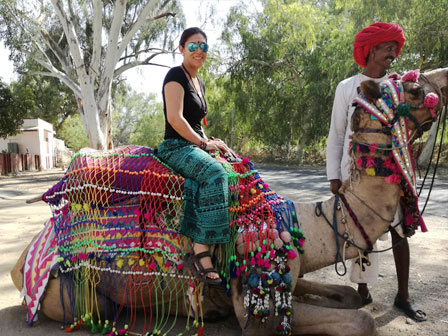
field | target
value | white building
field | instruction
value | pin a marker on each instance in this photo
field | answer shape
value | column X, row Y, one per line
column 36, row 138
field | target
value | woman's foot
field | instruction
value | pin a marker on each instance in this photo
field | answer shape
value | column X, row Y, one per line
column 201, row 265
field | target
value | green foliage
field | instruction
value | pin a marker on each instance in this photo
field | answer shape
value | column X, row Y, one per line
column 73, row 133
column 282, row 66
column 13, row 110
column 137, row 119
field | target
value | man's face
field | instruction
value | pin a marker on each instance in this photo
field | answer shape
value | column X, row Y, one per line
column 383, row 54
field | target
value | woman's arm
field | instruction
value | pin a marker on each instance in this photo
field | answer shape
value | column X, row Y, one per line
column 174, row 100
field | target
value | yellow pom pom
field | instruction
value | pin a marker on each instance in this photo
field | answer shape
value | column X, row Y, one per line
column 141, row 262
column 86, row 207
column 370, row 171
column 131, row 262
column 78, row 207
column 253, row 191
column 120, row 263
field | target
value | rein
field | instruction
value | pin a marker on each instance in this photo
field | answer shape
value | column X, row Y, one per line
column 432, row 155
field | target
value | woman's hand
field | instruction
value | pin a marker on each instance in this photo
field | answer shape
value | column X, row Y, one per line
column 218, row 144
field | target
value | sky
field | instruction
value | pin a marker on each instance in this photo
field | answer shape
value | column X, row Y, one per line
column 149, row 79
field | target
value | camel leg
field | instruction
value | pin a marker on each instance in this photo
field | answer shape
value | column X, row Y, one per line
column 312, row 320
column 326, row 295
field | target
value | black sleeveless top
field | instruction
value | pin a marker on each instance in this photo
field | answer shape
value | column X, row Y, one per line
column 195, row 107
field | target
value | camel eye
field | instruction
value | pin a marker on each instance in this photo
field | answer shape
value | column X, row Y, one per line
column 415, row 91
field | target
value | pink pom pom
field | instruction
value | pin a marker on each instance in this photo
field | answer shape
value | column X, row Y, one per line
column 266, row 186
column 301, row 241
column 291, row 254
column 245, row 160
column 152, row 265
column 394, row 76
column 373, row 148
column 388, row 164
column 147, row 215
column 180, row 266
column 252, row 261
column 272, row 254
column 358, row 149
column 431, row 100
column 359, row 162
column 285, row 236
column 74, row 258
column 411, row 76
column 393, row 179
column 137, row 212
column 370, row 162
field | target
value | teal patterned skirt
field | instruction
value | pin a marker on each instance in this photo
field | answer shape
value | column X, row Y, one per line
column 205, row 218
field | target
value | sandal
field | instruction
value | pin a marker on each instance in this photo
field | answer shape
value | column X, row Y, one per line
column 195, row 265
column 366, row 299
column 410, row 309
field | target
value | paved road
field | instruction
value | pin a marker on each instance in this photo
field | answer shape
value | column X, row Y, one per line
column 311, row 185
column 305, row 185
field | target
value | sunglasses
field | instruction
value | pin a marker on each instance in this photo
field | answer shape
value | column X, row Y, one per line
column 193, row 46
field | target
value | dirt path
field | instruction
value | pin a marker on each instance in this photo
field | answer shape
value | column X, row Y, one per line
column 19, row 222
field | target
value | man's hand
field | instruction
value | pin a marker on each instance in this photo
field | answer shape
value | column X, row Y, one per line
column 335, row 185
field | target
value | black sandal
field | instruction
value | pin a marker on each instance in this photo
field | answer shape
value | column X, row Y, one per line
column 410, row 309
column 195, row 265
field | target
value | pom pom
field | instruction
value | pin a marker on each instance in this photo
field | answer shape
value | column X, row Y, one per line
column 431, row 100
column 291, row 254
column 370, row 171
column 388, row 164
column 394, row 76
column 278, row 243
column 245, row 160
column 285, row 236
column 393, row 179
column 373, row 148
column 180, row 266
column 370, row 162
column 411, row 76
column 266, row 186
column 359, row 162
column 239, row 240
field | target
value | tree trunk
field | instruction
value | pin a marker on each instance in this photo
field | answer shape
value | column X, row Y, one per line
column 425, row 156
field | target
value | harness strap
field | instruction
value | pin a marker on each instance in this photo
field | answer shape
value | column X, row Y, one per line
column 337, row 258
column 357, row 223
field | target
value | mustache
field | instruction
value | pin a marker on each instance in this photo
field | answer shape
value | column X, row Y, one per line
column 391, row 58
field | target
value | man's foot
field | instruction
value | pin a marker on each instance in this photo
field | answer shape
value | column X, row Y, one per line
column 366, row 298
column 410, row 309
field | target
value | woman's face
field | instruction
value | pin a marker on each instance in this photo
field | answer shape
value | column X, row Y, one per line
column 197, row 57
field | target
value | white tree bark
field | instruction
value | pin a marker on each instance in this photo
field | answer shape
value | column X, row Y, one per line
column 91, row 81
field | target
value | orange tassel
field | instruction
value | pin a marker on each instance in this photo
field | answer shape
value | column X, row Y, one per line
column 205, row 121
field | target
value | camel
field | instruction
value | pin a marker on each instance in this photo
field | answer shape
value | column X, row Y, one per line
column 374, row 202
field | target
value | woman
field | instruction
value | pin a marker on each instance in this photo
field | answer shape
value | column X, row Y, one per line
column 205, row 217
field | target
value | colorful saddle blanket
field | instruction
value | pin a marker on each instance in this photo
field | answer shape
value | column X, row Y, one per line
column 116, row 216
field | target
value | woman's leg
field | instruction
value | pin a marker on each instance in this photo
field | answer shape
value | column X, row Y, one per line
column 205, row 217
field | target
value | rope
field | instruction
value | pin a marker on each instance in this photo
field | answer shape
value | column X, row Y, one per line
column 318, row 211
column 432, row 155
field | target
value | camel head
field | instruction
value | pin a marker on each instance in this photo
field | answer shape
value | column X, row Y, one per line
column 423, row 97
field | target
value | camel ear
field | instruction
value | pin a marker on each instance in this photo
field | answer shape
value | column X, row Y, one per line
column 371, row 90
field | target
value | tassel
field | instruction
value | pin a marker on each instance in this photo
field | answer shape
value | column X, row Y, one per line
column 205, row 121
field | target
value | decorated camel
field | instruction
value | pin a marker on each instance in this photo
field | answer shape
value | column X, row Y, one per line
column 113, row 240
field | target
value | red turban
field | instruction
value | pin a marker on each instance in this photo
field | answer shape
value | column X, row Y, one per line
column 373, row 35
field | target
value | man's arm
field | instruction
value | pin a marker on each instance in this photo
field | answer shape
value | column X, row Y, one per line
column 336, row 137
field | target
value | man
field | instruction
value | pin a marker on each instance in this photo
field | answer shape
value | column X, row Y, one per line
column 374, row 49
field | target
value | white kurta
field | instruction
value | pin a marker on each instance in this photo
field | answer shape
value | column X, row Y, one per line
column 338, row 158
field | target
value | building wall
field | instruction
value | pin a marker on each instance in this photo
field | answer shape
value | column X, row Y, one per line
column 36, row 139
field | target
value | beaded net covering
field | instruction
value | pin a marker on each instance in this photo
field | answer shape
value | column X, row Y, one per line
column 116, row 216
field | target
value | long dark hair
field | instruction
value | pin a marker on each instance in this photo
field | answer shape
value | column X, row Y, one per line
column 189, row 32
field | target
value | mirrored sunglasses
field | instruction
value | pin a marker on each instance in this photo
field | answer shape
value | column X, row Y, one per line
column 193, row 46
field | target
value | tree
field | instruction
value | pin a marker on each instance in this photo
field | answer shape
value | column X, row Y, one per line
column 12, row 111
column 88, row 44
column 136, row 116
column 72, row 132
